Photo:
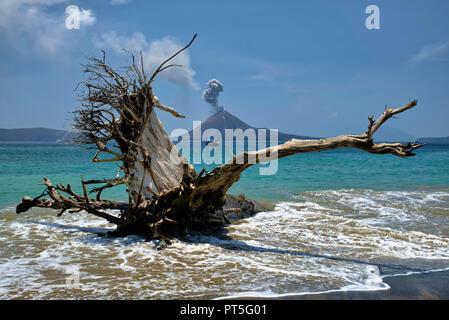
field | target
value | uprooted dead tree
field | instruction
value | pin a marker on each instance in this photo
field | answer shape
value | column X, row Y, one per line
column 166, row 197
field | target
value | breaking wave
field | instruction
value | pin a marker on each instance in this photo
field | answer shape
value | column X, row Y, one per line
column 317, row 242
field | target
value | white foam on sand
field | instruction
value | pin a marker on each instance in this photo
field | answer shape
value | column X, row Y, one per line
column 322, row 242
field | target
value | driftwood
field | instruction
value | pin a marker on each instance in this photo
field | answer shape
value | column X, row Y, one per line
column 167, row 197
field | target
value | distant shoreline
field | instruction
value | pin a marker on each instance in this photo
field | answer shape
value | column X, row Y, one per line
column 53, row 135
column 34, row 135
column 67, row 142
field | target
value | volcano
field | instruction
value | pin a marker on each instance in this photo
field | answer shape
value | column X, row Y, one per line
column 224, row 120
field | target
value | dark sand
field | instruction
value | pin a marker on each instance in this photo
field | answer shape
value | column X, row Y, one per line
column 422, row 286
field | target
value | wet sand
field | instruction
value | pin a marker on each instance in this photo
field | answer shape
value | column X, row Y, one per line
column 423, row 286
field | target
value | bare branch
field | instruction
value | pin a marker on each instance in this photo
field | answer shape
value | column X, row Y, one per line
column 222, row 178
column 160, row 68
column 169, row 110
column 95, row 158
column 141, row 65
column 109, row 183
column 169, row 66
column 61, row 202
column 388, row 113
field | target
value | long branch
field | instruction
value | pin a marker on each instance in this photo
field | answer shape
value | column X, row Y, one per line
column 221, row 178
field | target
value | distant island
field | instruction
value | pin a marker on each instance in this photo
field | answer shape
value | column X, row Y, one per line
column 34, row 135
column 435, row 140
column 222, row 120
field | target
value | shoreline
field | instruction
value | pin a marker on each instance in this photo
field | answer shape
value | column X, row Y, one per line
column 430, row 285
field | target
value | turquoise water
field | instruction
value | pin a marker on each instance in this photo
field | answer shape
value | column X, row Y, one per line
column 23, row 166
column 343, row 220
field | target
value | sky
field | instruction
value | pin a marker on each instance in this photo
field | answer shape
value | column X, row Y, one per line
column 303, row 67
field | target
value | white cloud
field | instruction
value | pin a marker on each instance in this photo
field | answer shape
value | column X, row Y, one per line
column 41, row 2
column 267, row 72
column 430, row 52
column 154, row 54
column 119, row 2
column 86, row 17
column 111, row 40
column 30, row 20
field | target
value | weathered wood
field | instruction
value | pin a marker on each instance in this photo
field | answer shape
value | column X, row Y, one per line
column 222, row 178
column 151, row 163
column 168, row 197
column 63, row 203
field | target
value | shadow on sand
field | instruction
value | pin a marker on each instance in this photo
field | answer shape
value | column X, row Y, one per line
column 220, row 237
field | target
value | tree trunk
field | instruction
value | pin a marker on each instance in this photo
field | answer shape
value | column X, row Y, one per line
column 167, row 197
column 153, row 171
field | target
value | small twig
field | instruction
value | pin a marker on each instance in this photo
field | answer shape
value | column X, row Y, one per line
column 141, row 65
column 85, row 191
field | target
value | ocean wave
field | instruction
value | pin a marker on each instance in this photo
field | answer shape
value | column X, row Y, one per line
column 318, row 242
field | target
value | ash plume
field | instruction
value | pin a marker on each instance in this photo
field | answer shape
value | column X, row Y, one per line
column 210, row 95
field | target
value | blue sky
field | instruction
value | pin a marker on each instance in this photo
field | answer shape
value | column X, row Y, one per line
column 304, row 67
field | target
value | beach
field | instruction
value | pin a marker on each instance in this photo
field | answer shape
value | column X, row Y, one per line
column 424, row 286
column 344, row 225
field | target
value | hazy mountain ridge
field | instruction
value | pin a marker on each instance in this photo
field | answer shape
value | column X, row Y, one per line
column 34, row 135
column 434, row 140
column 221, row 120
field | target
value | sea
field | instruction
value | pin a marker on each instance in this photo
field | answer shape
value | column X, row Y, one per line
column 341, row 220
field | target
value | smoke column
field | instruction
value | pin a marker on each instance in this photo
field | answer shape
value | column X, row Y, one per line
column 210, row 95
